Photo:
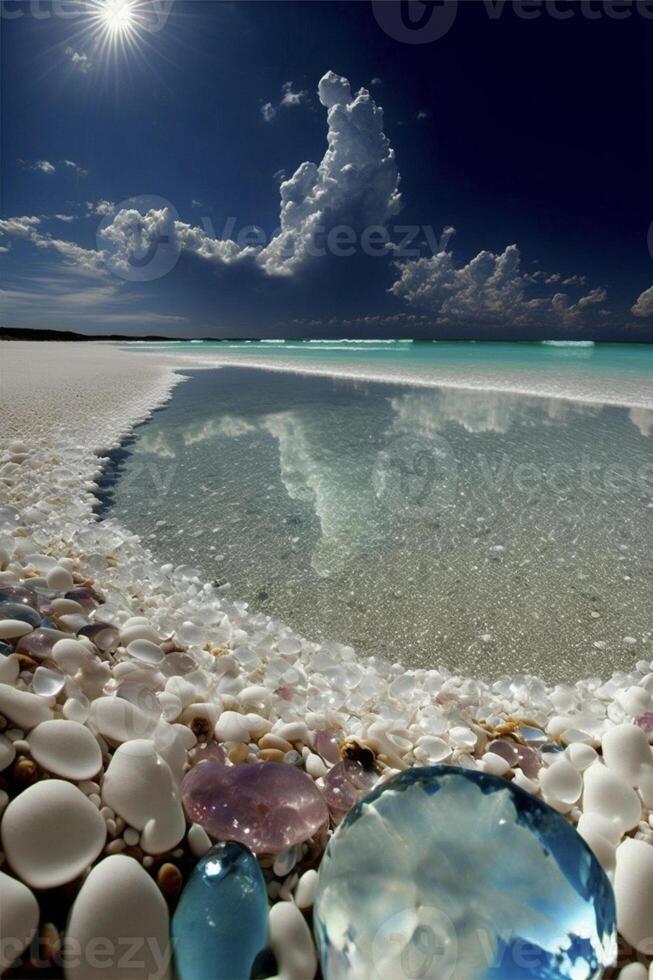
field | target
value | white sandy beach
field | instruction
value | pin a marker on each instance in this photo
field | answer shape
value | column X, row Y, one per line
column 62, row 405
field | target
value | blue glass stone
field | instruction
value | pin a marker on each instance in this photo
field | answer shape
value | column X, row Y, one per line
column 453, row 874
column 20, row 611
column 5, row 649
column 220, row 925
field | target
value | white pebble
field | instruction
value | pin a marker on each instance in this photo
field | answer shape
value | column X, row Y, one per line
column 65, row 748
column 292, row 943
column 561, row 785
column 626, row 750
column 305, row 891
column 608, row 795
column 60, row 579
column 22, row 707
column 199, row 841
column 51, row 833
column 231, row 727
column 139, row 786
column 12, row 629
column 20, row 918
column 633, row 887
column 118, row 899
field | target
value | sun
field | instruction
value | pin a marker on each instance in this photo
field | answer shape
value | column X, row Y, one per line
column 117, row 16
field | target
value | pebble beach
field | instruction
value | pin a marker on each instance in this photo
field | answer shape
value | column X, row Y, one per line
column 153, row 729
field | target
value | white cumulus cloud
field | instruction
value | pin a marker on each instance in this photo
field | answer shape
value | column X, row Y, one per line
column 44, row 167
column 356, row 182
column 489, row 289
column 643, row 305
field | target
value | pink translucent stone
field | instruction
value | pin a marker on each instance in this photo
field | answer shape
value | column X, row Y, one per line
column 345, row 784
column 645, row 721
column 85, row 596
column 209, row 752
column 39, row 643
column 267, row 806
column 517, row 756
column 328, row 746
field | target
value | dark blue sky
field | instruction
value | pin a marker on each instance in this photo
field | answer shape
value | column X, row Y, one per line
column 529, row 132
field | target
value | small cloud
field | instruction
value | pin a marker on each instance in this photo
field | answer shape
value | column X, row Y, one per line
column 279, row 175
column 65, row 217
column 44, row 167
column 80, row 60
column 5, row 248
column 71, row 165
column 290, row 97
column 422, row 115
column 196, row 204
column 376, row 81
column 100, row 208
column 643, row 305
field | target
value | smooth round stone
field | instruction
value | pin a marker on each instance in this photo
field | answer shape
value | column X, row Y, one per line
column 232, row 727
column 47, row 683
column 607, row 794
column 518, row 756
column 626, row 750
column 118, row 909
column 41, row 643
column 327, row 744
column 267, row 806
column 220, row 925
column 145, row 651
column 291, row 942
column 13, row 629
column 119, row 720
column 22, row 707
column 7, row 752
column 561, row 784
column 86, row 597
column 345, row 784
column 139, row 786
column 65, row 748
column 51, row 833
column 19, row 593
column 105, row 637
column 633, row 885
column 59, row 579
column 20, row 918
column 449, row 873
column 20, row 610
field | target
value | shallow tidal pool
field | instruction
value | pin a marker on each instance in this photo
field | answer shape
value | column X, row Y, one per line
column 486, row 532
